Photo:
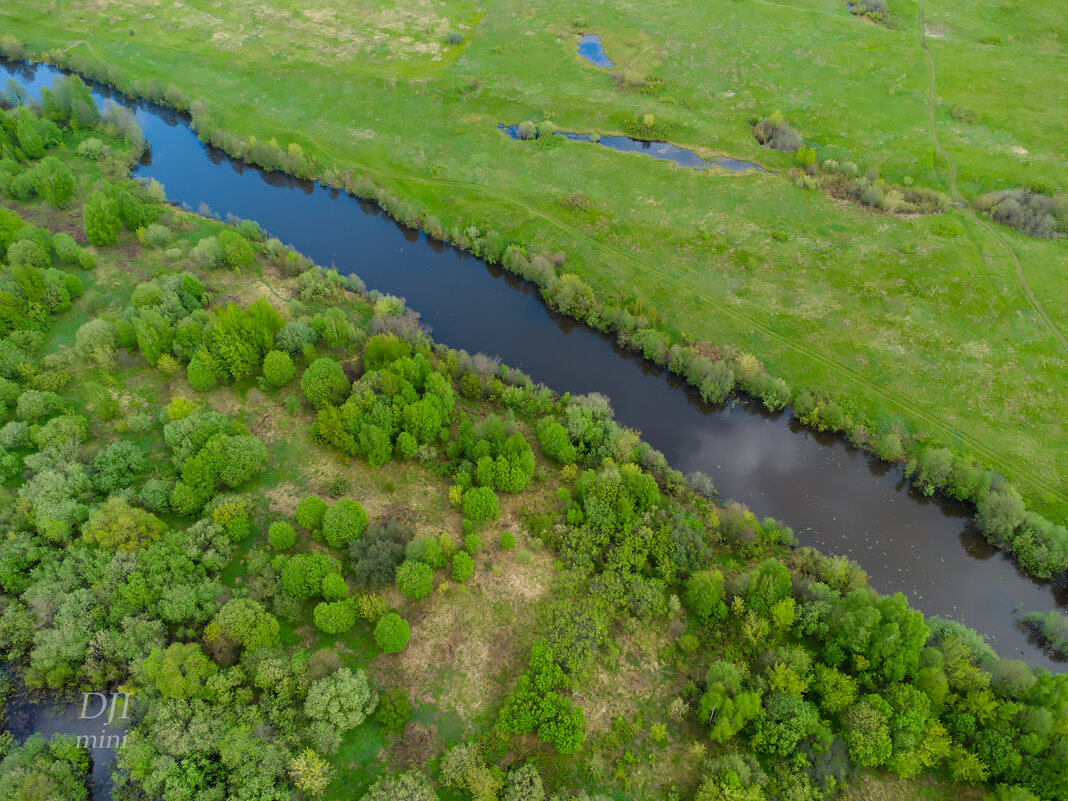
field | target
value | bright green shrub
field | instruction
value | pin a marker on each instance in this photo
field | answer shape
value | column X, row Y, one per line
column 392, row 633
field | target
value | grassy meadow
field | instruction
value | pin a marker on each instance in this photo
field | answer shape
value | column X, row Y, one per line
column 922, row 321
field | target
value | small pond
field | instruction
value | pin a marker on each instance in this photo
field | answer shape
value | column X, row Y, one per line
column 658, row 150
column 591, row 49
column 82, row 716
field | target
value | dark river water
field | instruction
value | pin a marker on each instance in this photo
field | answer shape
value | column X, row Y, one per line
column 835, row 497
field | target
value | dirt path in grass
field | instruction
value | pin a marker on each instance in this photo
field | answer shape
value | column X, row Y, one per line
column 955, row 194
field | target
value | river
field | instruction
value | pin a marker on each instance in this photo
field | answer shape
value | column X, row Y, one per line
column 835, row 497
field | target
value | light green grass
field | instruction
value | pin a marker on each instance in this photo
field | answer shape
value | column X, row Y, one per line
column 941, row 334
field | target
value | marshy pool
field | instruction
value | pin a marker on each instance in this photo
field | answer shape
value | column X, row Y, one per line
column 591, row 49
column 656, row 149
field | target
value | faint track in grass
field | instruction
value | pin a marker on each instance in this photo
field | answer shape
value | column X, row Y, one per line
column 1021, row 279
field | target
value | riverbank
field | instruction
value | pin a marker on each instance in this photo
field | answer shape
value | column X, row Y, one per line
column 834, row 496
column 386, row 526
column 952, row 350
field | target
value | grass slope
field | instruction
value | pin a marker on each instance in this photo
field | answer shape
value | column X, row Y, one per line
column 955, row 330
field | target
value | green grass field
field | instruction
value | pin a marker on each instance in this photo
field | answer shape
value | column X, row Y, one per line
column 954, row 331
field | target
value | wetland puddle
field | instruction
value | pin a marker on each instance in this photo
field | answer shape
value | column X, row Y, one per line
column 665, row 151
column 591, row 49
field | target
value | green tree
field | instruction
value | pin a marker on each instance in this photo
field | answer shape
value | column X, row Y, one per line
column 463, row 566
column 303, row 574
column 392, row 633
column 278, row 368
column 334, row 587
column 311, row 773
column 118, row 526
column 344, row 522
column 394, row 709
column 480, row 504
column 180, row 671
column 866, row 730
column 342, row 700
column 281, row 535
column 236, row 249
column 310, row 512
column 410, row 786
column 203, row 370
column 243, row 458
column 244, row 621
column 324, row 383
column 415, row 579
column 705, row 597
column 100, row 217
column 335, row 617
column 55, row 182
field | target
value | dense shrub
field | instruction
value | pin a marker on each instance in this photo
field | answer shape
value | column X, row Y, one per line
column 344, row 522
column 324, row 383
column 1031, row 213
column 278, row 368
column 236, row 250
column 310, row 512
column 281, row 535
column 463, row 566
column 375, row 556
column 392, row 633
column 415, row 579
column 335, row 617
column 480, row 504
column 774, row 132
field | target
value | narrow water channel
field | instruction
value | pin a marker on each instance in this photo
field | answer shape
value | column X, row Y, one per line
column 835, row 497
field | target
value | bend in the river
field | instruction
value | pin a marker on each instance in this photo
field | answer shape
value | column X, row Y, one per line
column 836, row 497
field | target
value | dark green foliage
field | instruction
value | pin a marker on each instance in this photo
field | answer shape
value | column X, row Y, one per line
column 1053, row 627
column 118, row 466
column 40, row 769
column 375, row 556
column 392, row 633
column 393, row 711
column 1029, row 212
column 294, row 337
